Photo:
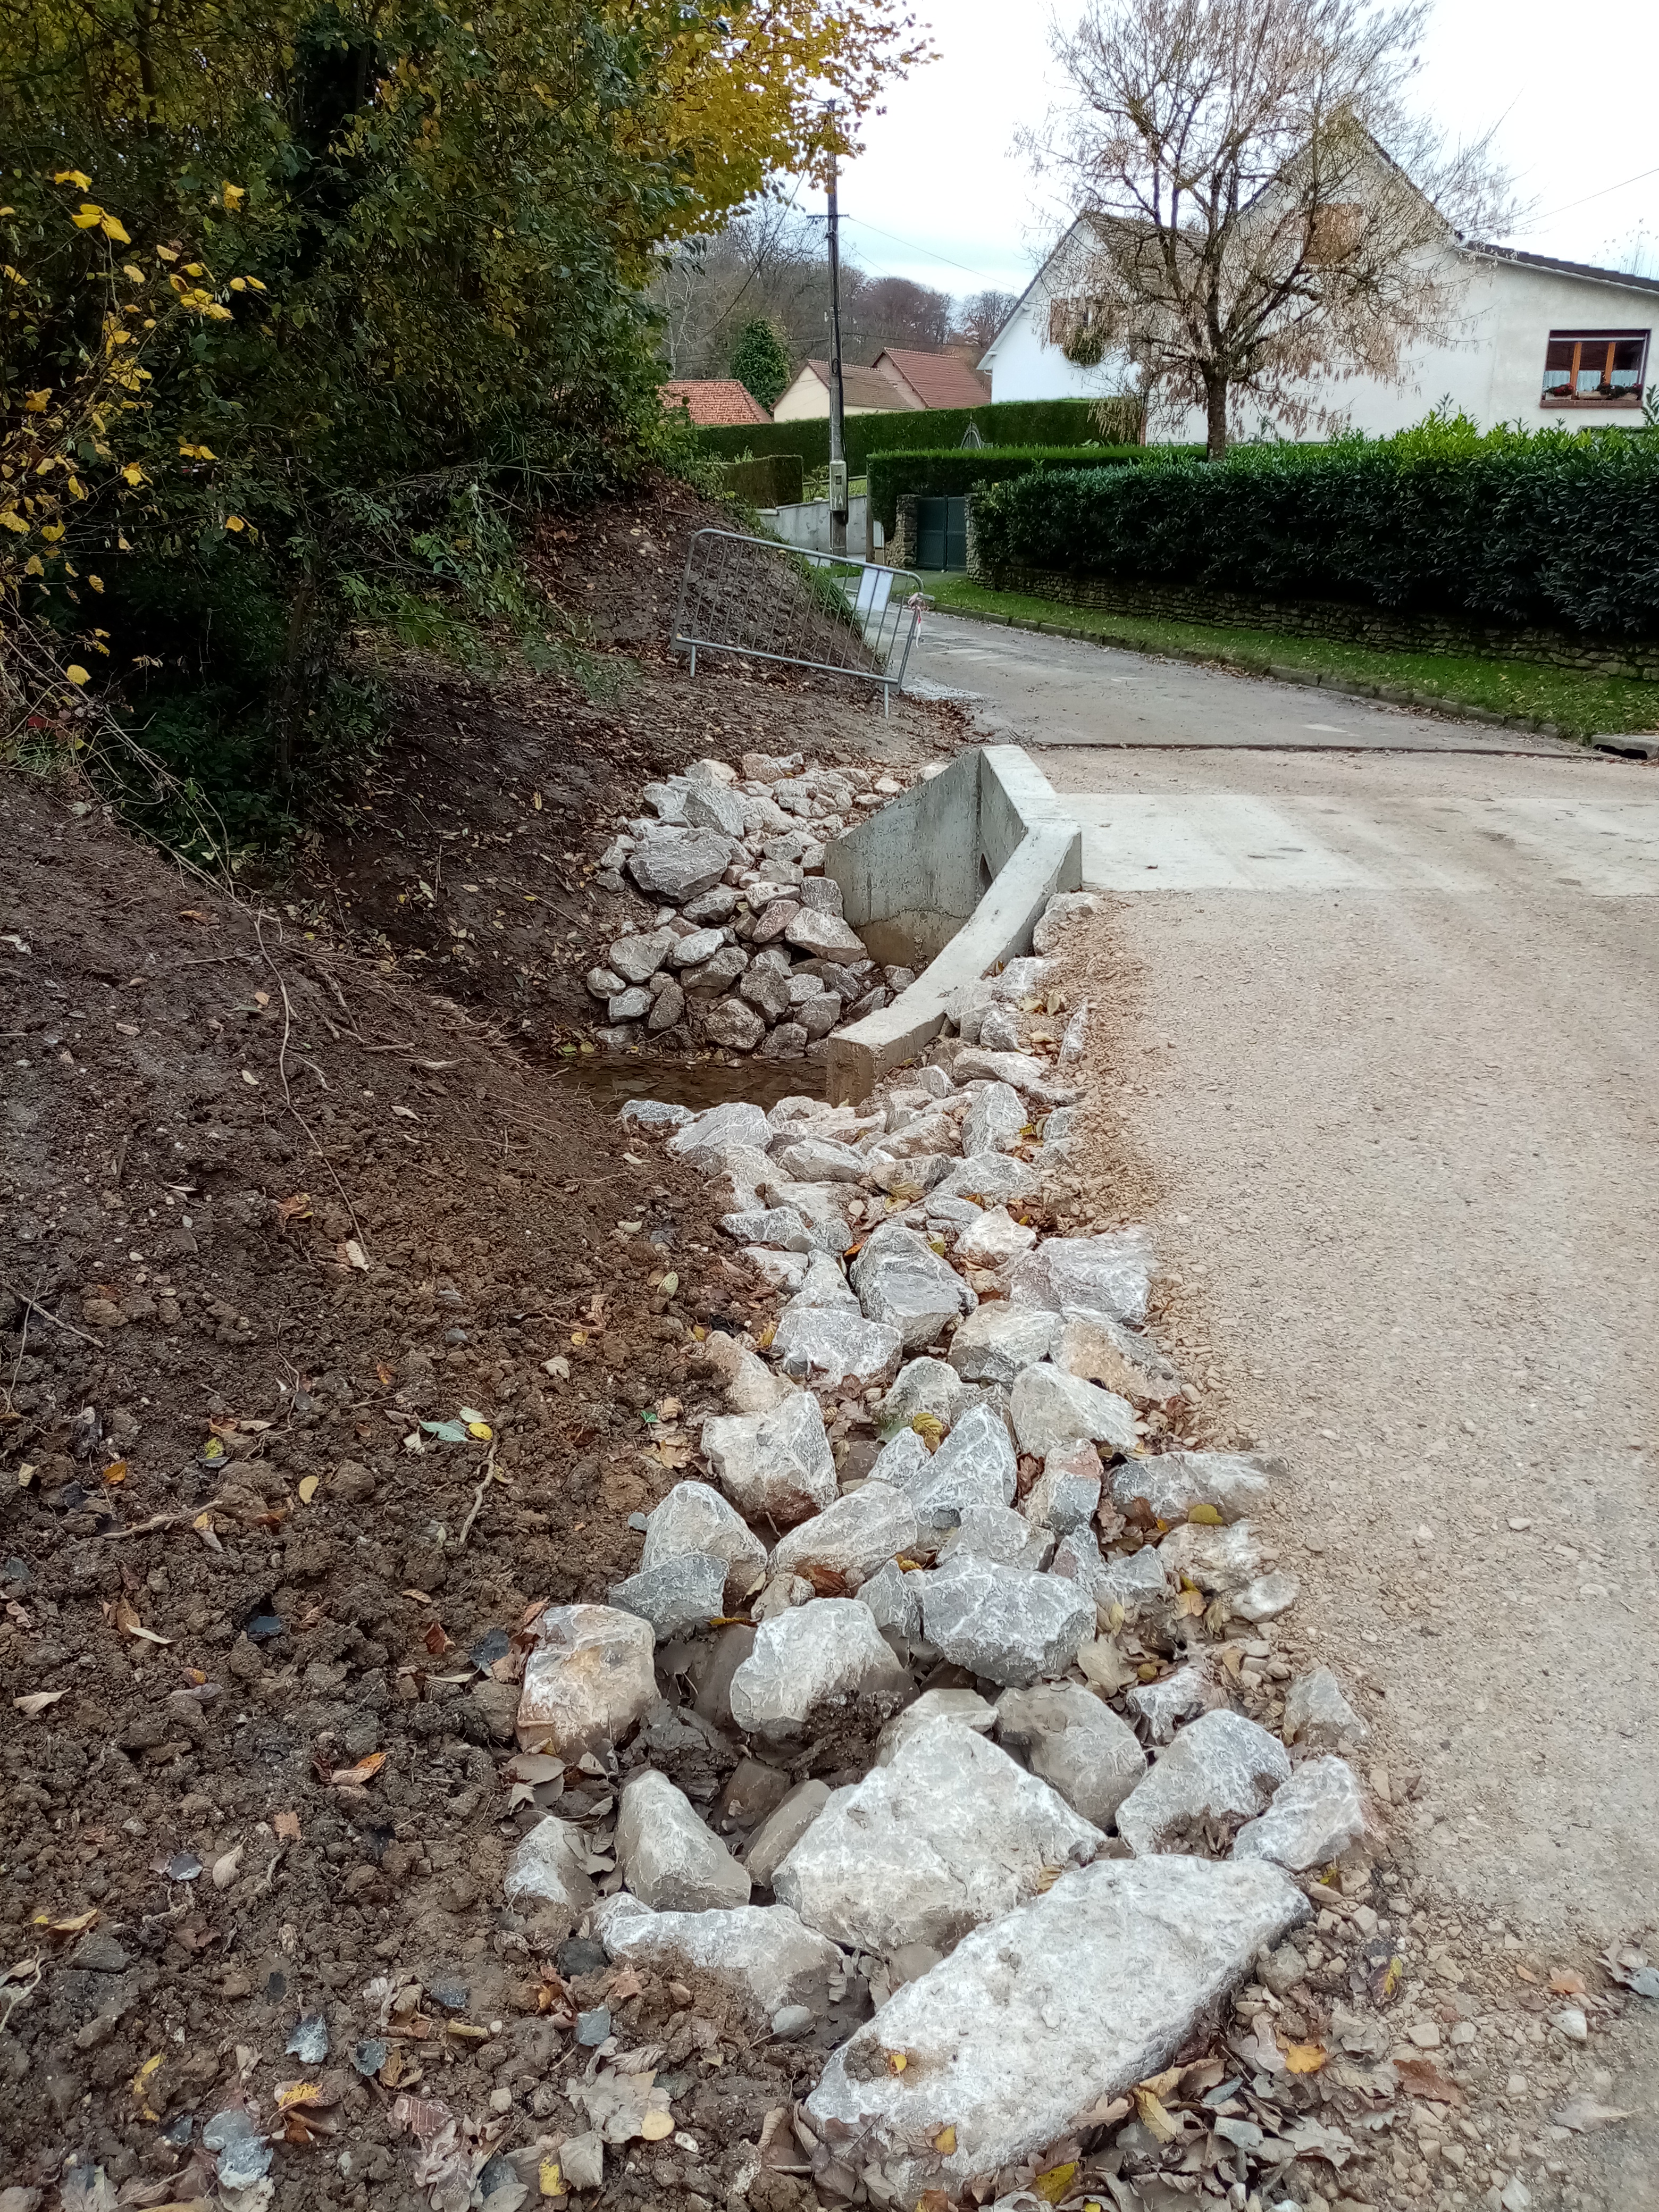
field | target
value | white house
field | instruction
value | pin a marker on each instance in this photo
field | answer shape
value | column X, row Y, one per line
column 1536, row 341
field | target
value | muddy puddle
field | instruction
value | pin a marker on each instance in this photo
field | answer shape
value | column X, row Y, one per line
column 611, row 1079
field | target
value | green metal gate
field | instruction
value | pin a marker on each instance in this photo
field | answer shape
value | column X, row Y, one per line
column 941, row 533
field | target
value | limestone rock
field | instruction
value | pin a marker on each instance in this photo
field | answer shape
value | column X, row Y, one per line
column 670, row 1859
column 1163, row 1705
column 676, row 867
column 851, row 1539
column 700, row 1141
column 902, row 1280
column 1020, row 1069
column 993, row 1121
column 732, row 1025
column 1076, row 1743
column 994, row 1178
column 820, row 1159
column 891, row 1595
column 653, row 1113
column 997, row 1532
column 1008, row 2042
column 1102, row 1350
column 760, row 1954
column 993, row 1238
column 825, row 1285
column 833, row 1344
column 824, row 936
column 603, row 983
column 1172, row 1483
column 1313, row 1819
column 710, row 807
column 782, row 1829
column 1111, row 1274
column 775, row 1467
column 751, row 1387
column 1218, row 1561
column 719, row 973
column 694, row 1517
column 780, row 1271
column 629, row 1006
column 822, row 893
column 788, row 1041
column 588, row 1682
column 1219, row 1766
column 996, row 1343
column 1065, row 1495
column 965, row 1708
column 950, row 1832
column 1009, row 1625
column 975, row 1466
column 1316, row 1713
column 1052, row 1411
column 810, row 1660
column 1266, row 1598
column 636, row 959
column 549, row 1867
column 680, row 1595
column 923, row 1386
column 1064, row 909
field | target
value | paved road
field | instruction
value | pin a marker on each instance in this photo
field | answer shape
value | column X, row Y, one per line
column 1026, row 689
column 1392, row 1057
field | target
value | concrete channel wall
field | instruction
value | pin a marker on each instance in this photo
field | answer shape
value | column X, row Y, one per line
column 956, row 873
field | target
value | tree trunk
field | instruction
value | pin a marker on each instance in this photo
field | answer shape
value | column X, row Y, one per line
column 291, row 691
column 1215, row 398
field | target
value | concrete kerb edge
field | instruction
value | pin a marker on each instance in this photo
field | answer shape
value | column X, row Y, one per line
column 1048, row 858
column 1276, row 673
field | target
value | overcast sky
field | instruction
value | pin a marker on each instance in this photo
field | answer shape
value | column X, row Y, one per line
column 940, row 195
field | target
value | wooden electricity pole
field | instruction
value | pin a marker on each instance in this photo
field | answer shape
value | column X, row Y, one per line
column 837, row 448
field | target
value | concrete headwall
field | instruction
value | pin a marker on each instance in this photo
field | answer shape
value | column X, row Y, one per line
column 954, row 874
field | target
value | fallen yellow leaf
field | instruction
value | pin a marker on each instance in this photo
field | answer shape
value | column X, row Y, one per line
column 1056, row 2182
column 945, row 2142
column 1150, row 2109
column 656, row 2125
column 1206, row 1516
column 896, row 2061
column 308, row 1488
column 1304, row 2057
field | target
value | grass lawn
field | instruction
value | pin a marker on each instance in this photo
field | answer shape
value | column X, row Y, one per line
column 1579, row 706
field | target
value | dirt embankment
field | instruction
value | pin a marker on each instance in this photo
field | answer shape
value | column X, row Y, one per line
column 473, row 843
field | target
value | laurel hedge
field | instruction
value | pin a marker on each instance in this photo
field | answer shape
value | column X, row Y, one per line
column 940, row 475
column 1553, row 527
column 1008, row 422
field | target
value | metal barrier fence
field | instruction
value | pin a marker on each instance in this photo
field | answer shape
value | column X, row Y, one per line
column 819, row 610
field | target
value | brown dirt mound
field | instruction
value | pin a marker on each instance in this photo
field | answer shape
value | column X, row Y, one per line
column 266, row 1208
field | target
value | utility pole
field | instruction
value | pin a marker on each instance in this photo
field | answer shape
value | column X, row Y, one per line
column 837, row 448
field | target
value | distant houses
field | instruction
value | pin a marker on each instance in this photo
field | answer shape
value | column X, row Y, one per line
column 713, row 402
column 899, row 380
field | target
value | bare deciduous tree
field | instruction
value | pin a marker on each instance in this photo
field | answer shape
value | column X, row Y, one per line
column 981, row 316
column 1263, row 206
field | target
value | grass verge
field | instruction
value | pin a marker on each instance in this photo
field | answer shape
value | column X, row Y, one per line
column 1572, row 703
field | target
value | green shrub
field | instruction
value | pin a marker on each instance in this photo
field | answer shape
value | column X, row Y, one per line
column 948, row 474
column 1550, row 526
column 1009, row 423
column 760, row 363
column 767, row 480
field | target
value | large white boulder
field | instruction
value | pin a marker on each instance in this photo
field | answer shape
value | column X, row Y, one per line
column 993, row 1238
column 1068, row 2000
column 850, row 1539
column 782, row 1829
column 1052, row 1411
column 994, row 1120
column 975, row 1466
column 833, row 1344
column 549, row 1867
column 1172, row 1483
column 1220, row 1766
column 996, row 1342
column 964, row 1707
column 1313, row 1819
column 1218, row 1561
column 760, row 1954
column 701, row 1141
column 1076, row 1743
column 679, row 1595
column 670, row 1859
column 923, row 1386
column 811, row 1661
column 997, row 1532
column 775, row 1466
column 1101, row 1350
column 1109, row 1275
column 587, row 1681
column 902, row 1280
column 1065, row 1494
column 950, row 1832
column 1003, row 1622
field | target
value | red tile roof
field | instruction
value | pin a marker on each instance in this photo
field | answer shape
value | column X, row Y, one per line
column 867, row 388
column 711, row 400
column 937, row 379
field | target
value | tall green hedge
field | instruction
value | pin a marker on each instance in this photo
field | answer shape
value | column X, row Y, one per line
column 768, row 480
column 947, row 474
column 1550, row 526
column 1010, row 423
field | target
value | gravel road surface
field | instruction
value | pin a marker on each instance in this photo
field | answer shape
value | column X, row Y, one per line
column 1391, row 1060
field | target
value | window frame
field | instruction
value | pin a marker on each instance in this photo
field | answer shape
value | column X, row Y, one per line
column 1581, row 339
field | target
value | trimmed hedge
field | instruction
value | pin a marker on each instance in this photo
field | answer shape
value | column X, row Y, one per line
column 768, row 480
column 1010, row 423
column 1553, row 527
column 962, row 469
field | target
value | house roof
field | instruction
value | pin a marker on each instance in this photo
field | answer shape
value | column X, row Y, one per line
column 1009, row 319
column 866, row 387
column 712, row 400
column 937, row 379
column 1513, row 253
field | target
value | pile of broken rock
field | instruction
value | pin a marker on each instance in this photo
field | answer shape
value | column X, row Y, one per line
column 932, row 1706
column 745, row 950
